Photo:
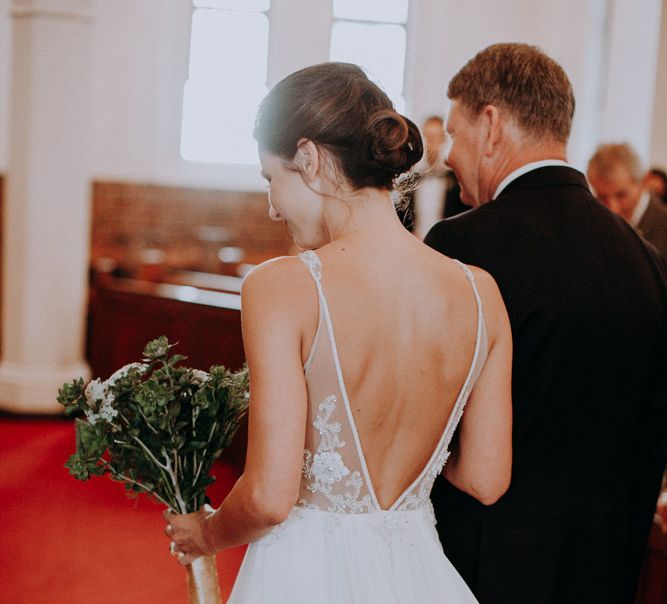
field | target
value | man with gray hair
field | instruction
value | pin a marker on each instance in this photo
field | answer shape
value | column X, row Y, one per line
column 616, row 175
column 588, row 308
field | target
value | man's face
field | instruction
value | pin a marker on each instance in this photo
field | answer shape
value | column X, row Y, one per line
column 464, row 153
column 618, row 190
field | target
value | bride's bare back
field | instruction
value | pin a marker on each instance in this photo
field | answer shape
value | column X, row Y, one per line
column 405, row 324
column 405, row 339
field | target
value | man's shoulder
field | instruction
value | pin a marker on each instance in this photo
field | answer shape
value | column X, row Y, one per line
column 656, row 211
column 448, row 231
column 484, row 220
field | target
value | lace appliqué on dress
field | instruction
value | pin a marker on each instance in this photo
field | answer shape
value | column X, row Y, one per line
column 325, row 470
column 420, row 497
column 313, row 262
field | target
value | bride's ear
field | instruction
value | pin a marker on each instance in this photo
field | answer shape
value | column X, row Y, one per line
column 307, row 159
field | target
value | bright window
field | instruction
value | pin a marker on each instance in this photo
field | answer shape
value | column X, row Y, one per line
column 227, row 80
column 371, row 33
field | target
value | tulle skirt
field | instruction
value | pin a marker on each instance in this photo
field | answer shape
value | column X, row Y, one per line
column 324, row 558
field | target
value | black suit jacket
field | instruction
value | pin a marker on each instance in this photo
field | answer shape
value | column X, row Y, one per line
column 588, row 308
column 653, row 225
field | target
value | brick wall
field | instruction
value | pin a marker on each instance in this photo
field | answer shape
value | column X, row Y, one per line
column 185, row 227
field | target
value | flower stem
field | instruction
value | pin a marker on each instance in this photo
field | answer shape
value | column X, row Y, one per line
column 150, row 426
column 174, row 481
column 150, row 453
column 171, row 506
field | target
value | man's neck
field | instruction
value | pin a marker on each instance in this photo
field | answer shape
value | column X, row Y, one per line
column 525, row 154
column 529, row 167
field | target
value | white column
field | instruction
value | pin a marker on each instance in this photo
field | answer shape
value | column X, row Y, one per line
column 46, row 221
column 5, row 62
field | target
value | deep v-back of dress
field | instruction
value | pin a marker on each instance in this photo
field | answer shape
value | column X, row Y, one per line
column 338, row 545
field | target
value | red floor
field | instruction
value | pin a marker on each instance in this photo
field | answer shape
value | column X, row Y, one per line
column 66, row 541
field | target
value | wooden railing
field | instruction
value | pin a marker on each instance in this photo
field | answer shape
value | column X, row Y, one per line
column 125, row 314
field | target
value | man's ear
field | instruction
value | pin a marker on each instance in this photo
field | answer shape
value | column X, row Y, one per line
column 493, row 128
column 307, row 159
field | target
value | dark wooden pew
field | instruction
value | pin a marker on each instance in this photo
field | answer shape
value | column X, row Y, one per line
column 125, row 314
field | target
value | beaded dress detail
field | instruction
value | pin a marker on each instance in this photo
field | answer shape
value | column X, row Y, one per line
column 338, row 545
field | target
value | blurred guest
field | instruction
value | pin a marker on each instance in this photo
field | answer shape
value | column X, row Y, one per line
column 616, row 175
column 433, row 133
column 429, row 196
column 655, row 181
column 436, row 192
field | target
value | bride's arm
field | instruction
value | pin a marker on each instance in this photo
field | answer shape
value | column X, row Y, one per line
column 265, row 493
column 482, row 463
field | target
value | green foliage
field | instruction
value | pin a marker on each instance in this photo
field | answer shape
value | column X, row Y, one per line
column 156, row 426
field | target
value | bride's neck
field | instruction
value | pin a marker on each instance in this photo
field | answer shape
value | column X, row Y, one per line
column 366, row 215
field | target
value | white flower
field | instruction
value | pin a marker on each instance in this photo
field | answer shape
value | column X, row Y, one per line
column 107, row 412
column 328, row 467
column 123, row 371
column 91, row 416
column 98, row 395
column 200, row 375
column 95, row 391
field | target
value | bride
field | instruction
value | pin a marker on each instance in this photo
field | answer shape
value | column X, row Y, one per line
column 363, row 352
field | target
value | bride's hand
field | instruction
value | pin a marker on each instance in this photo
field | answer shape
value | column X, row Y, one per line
column 189, row 534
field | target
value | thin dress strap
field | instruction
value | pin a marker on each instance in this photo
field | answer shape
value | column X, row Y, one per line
column 418, row 492
column 479, row 357
column 312, row 261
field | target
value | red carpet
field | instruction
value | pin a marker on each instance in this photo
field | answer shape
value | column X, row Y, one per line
column 66, row 541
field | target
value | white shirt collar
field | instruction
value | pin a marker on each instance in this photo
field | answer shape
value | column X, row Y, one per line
column 527, row 168
column 640, row 208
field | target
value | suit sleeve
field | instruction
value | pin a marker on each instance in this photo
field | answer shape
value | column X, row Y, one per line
column 654, row 418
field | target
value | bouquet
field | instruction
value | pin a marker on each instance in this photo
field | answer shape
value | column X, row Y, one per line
column 158, row 427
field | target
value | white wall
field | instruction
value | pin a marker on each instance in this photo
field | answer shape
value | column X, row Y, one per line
column 461, row 29
column 630, row 83
column 140, row 58
column 658, row 154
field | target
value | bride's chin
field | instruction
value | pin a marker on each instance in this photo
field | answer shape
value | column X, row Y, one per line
column 304, row 243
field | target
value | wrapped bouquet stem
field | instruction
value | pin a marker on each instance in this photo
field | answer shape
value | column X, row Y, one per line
column 159, row 427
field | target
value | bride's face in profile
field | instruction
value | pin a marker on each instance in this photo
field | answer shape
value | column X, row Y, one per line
column 293, row 202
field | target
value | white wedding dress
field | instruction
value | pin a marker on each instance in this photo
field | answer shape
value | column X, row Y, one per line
column 338, row 546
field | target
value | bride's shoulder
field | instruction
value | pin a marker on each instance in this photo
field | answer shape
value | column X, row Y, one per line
column 484, row 282
column 276, row 278
column 493, row 305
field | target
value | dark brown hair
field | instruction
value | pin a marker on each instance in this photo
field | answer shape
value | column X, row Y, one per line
column 522, row 80
column 337, row 107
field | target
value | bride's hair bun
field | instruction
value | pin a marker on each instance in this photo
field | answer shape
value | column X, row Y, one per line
column 338, row 108
column 395, row 143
